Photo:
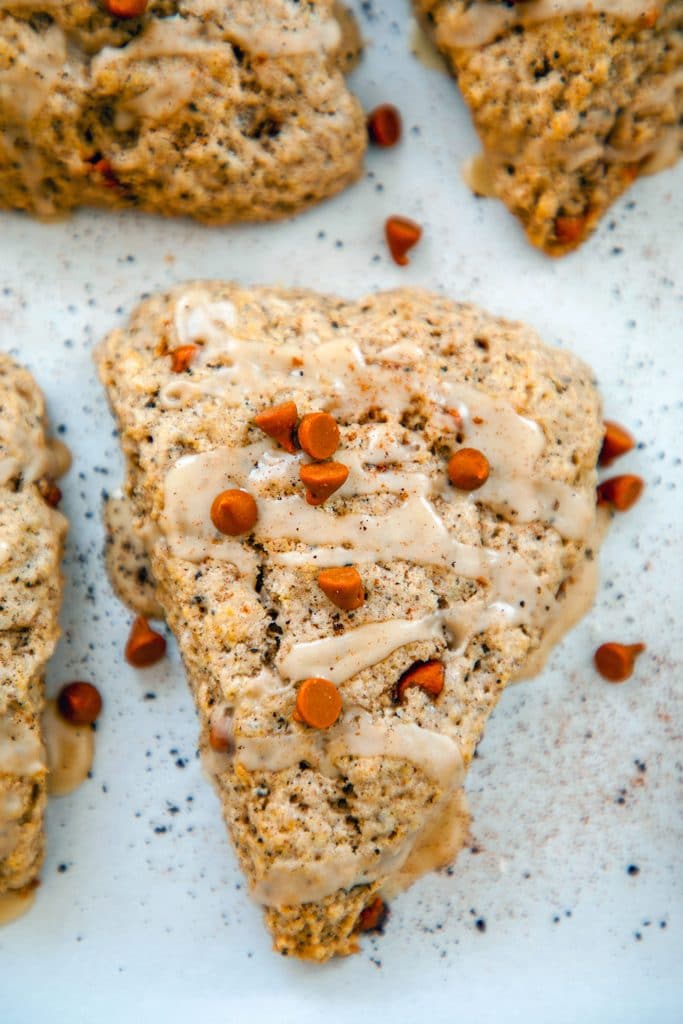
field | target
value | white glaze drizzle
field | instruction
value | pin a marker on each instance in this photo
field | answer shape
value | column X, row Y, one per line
column 512, row 443
column 483, row 20
column 289, row 881
column 177, row 36
column 21, row 750
column 338, row 658
column 26, row 85
column 25, row 452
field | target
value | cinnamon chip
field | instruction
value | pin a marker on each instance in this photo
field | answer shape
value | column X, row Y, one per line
column 401, row 235
column 468, row 469
column 617, row 442
column 373, row 917
column 428, row 675
column 182, row 356
column 233, row 512
column 318, row 703
column 126, row 8
column 279, row 422
column 621, row 492
column 145, row 646
column 322, row 480
column 615, row 662
column 79, row 703
column 343, row 587
column 318, row 435
column 384, row 125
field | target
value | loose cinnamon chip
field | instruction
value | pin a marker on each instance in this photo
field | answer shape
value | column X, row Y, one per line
column 621, row 492
column 279, row 423
column 629, row 173
column 615, row 662
column 51, row 494
column 145, row 646
column 79, row 703
column 344, row 587
column 401, row 235
column 126, row 8
column 318, row 435
column 318, row 703
column 384, row 125
column 468, row 469
column 182, row 356
column 322, row 479
column 428, row 675
column 373, row 917
column 233, row 512
column 617, row 442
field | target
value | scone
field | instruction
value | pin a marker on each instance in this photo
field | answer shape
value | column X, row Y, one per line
column 572, row 101
column 363, row 519
column 32, row 534
column 221, row 111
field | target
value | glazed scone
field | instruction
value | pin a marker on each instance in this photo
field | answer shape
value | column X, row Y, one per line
column 32, row 534
column 572, row 101
column 325, row 819
column 221, row 111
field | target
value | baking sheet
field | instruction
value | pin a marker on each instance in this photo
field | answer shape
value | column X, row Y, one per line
column 141, row 910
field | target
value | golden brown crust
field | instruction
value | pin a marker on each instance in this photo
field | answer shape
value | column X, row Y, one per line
column 570, row 111
column 31, row 535
column 220, row 111
column 230, row 631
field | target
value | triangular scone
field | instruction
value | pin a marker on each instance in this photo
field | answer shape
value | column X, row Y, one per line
column 32, row 534
column 572, row 101
column 323, row 820
column 223, row 111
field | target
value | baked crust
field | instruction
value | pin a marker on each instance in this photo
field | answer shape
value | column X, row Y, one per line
column 240, row 633
column 220, row 111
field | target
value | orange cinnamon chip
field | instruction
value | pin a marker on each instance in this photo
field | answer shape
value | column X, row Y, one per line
column 569, row 230
column 220, row 739
column 318, row 435
column 401, row 235
column 233, row 512
column 343, row 587
column 384, row 125
column 145, row 646
column 615, row 662
column 126, row 8
column 373, row 917
column 79, row 703
column 279, row 422
column 51, row 494
column 182, row 356
column 322, row 479
column 621, row 492
column 318, row 703
column 468, row 469
column 428, row 675
column 102, row 166
column 617, row 442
